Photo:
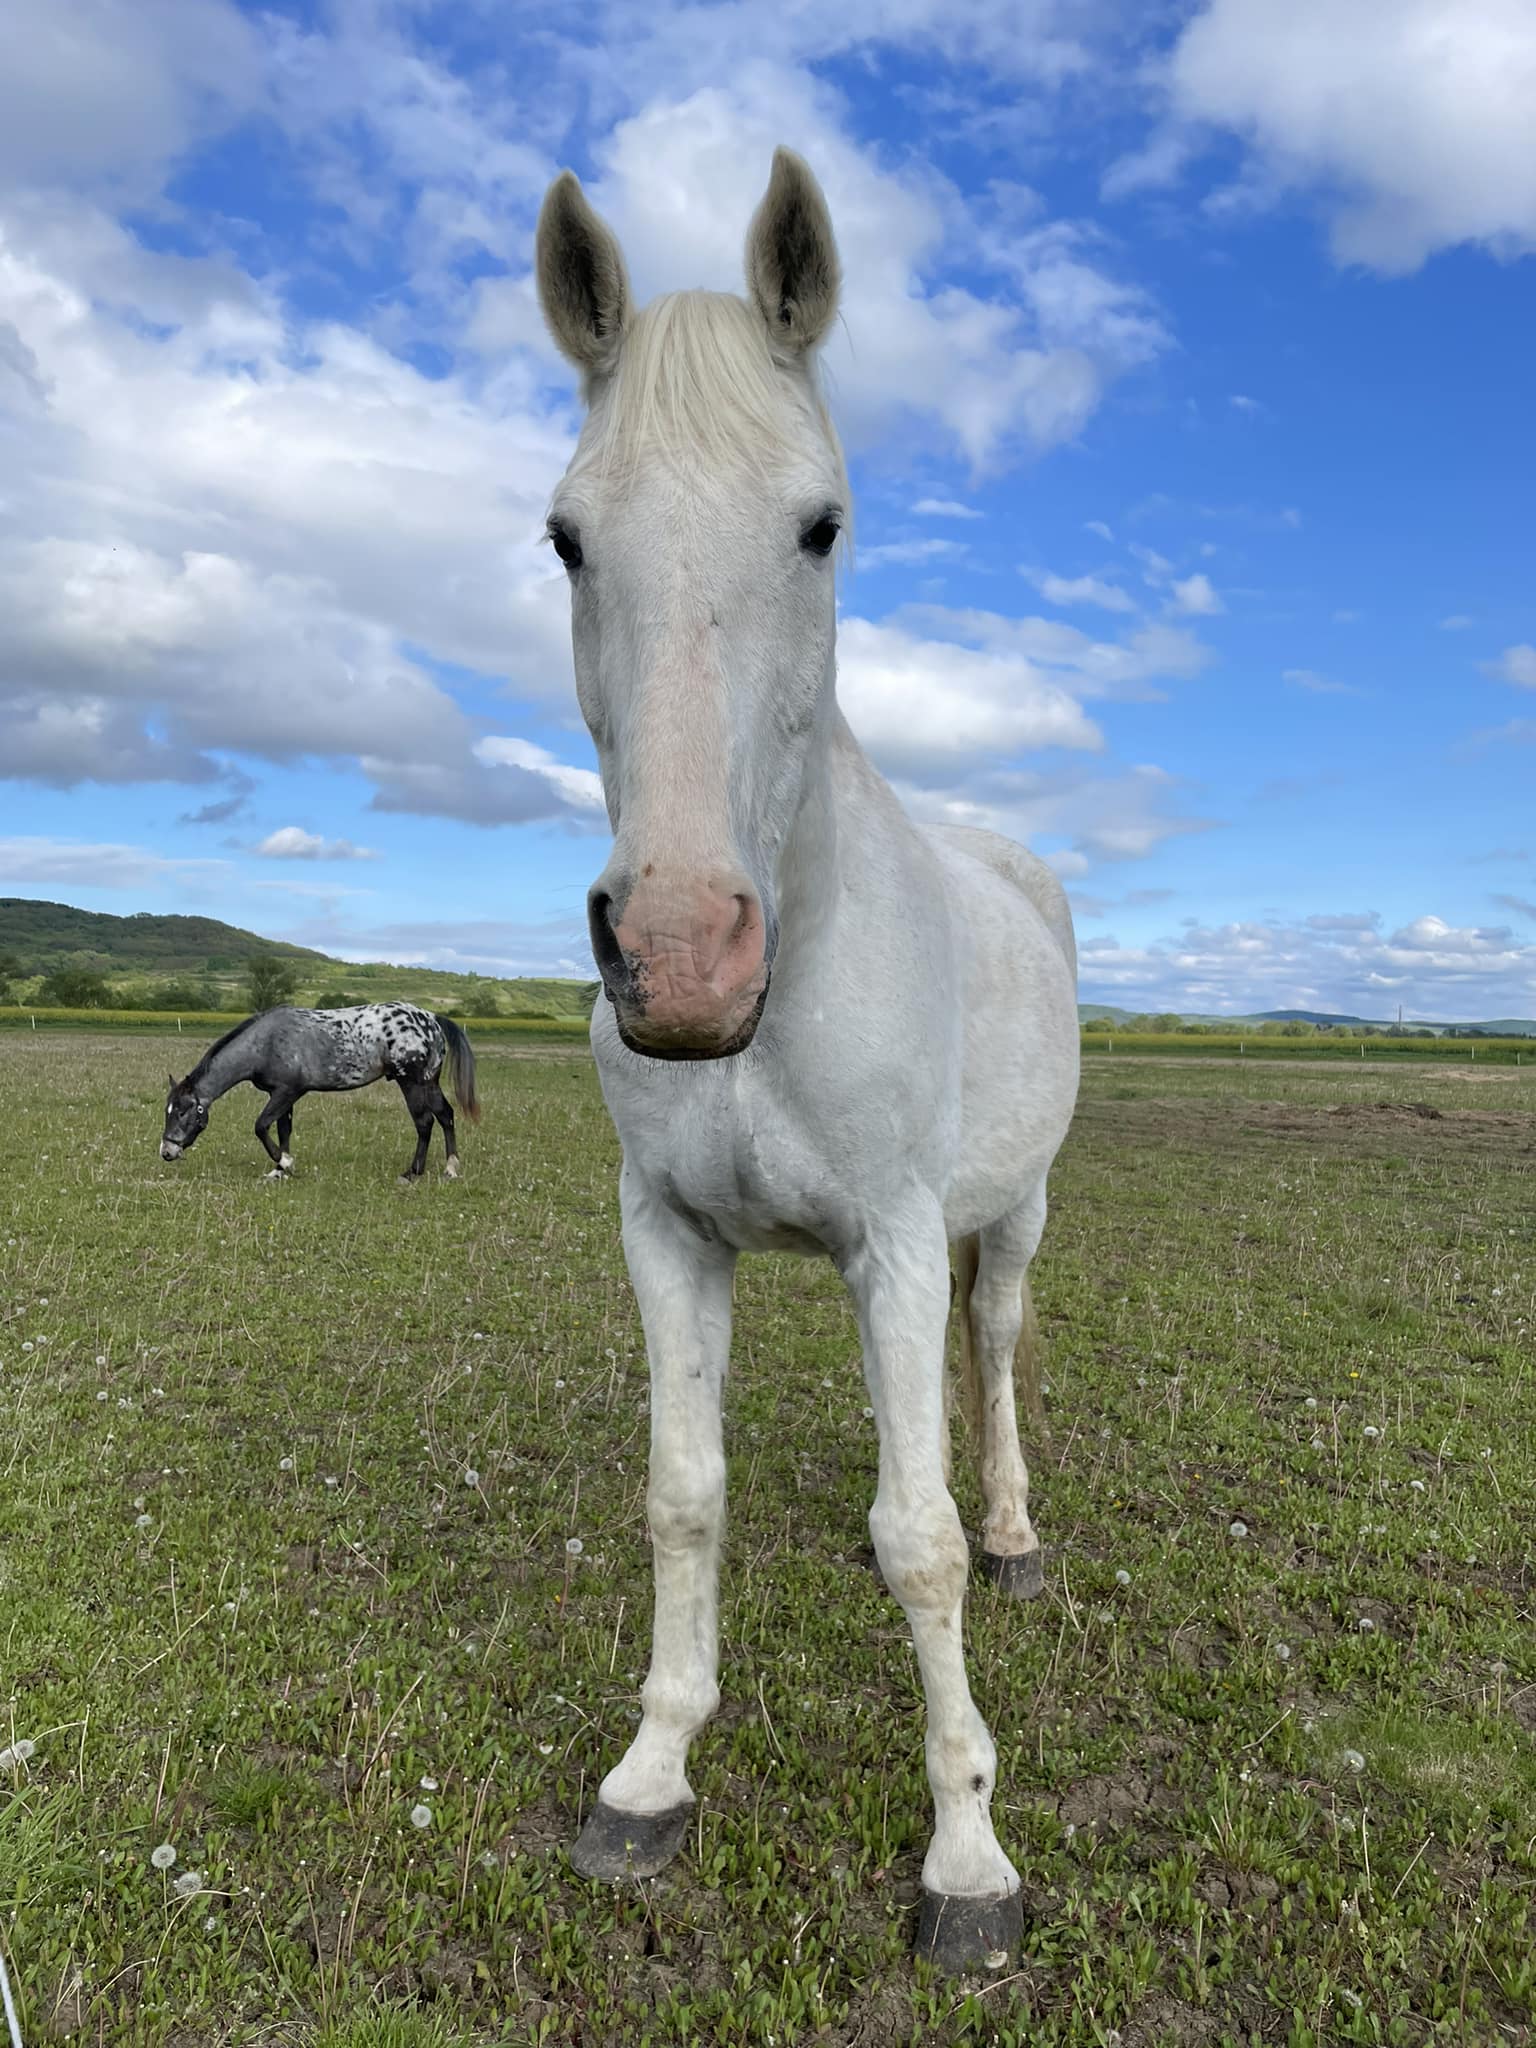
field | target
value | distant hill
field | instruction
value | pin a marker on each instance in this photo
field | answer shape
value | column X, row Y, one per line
column 1496, row 1027
column 48, row 935
column 204, row 961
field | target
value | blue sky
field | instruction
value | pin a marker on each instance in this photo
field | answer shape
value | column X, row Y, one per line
column 1184, row 370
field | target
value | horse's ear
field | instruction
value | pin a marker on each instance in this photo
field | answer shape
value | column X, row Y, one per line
column 175, row 1084
column 792, row 269
column 583, row 285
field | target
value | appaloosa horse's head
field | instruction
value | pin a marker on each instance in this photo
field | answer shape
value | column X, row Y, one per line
column 186, row 1119
column 698, row 522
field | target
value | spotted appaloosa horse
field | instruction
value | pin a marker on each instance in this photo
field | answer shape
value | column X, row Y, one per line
column 827, row 1031
column 290, row 1053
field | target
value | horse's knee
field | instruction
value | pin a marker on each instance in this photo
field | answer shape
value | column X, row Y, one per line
column 922, row 1551
column 685, row 1506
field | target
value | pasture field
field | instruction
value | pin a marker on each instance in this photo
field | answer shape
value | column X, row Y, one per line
column 323, row 1563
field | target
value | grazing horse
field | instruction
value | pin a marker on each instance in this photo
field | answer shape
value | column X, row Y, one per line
column 827, row 1031
column 289, row 1053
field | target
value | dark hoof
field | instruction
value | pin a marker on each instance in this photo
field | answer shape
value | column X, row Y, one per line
column 964, row 1935
column 616, row 1845
column 1021, row 1578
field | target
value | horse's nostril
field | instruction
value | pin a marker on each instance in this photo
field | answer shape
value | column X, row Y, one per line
column 605, row 946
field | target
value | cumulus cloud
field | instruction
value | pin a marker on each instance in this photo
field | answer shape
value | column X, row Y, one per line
column 1319, row 685
column 292, row 842
column 79, row 864
column 501, row 780
column 1196, row 596
column 1068, row 591
column 928, row 549
column 943, row 508
column 1342, row 963
column 1410, row 119
column 1516, row 665
column 1128, row 667
column 558, row 946
column 926, row 707
column 1101, row 818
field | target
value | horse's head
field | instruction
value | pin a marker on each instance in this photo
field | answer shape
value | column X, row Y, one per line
column 697, row 523
column 186, row 1118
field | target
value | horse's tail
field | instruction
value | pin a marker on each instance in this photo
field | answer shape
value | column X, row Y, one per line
column 1026, row 1357
column 461, row 1068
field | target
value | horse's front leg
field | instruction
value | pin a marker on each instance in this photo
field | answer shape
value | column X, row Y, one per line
column 683, row 1285
column 899, row 1279
column 277, row 1106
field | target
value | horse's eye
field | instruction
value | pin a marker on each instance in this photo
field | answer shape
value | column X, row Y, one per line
column 821, row 538
column 565, row 545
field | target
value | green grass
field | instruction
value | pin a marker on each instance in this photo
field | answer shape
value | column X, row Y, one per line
column 251, row 1601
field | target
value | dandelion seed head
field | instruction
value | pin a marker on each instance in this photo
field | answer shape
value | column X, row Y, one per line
column 574, row 1546
column 285, row 1464
column 1353, row 1760
column 143, row 1521
column 1238, row 1529
column 1370, row 1430
column 163, row 1857
column 421, row 1816
column 1122, row 1577
column 190, row 1881
column 1367, row 1626
column 471, row 1476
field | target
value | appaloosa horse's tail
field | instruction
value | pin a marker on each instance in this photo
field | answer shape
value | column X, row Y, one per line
column 461, row 1068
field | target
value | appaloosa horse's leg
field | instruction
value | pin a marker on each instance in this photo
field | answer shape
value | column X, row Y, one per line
column 284, row 1134
column 683, row 1284
column 277, row 1109
column 1001, row 1314
column 442, row 1109
column 899, row 1279
column 416, row 1095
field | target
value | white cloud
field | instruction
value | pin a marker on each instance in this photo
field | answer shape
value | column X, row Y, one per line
column 1027, row 365
column 1338, row 963
column 895, row 551
column 1320, row 686
column 1114, row 817
column 79, row 864
column 1410, row 118
column 1126, row 668
column 1097, row 526
column 1069, row 591
column 1241, row 404
column 1196, row 597
column 1516, row 665
column 927, row 707
column 1458, row 622
column 943, row 508
column 292, row 842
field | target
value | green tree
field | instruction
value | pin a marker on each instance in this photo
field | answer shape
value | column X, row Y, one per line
column 10, row 970
column 76, row 988
column 270, row 979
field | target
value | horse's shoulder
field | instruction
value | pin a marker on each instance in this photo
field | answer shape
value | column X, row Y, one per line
column 1034, row 878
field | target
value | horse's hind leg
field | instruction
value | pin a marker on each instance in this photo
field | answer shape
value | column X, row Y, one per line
column 442, row 1109
column 897, row 1276
column 1002, row 1337
column 284, row 1133
column 417, row 1101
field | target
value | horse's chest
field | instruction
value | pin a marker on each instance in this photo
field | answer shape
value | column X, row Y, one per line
column 754, row 1182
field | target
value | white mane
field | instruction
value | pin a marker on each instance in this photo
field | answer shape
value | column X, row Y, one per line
column 696, row 376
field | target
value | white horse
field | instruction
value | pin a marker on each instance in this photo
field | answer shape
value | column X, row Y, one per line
column 826, row 1030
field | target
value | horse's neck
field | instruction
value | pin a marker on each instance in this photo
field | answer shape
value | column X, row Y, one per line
column 227, row 1068
column 846, row 810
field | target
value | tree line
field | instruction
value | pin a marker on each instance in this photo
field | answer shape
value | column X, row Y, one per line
column 266, row 979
